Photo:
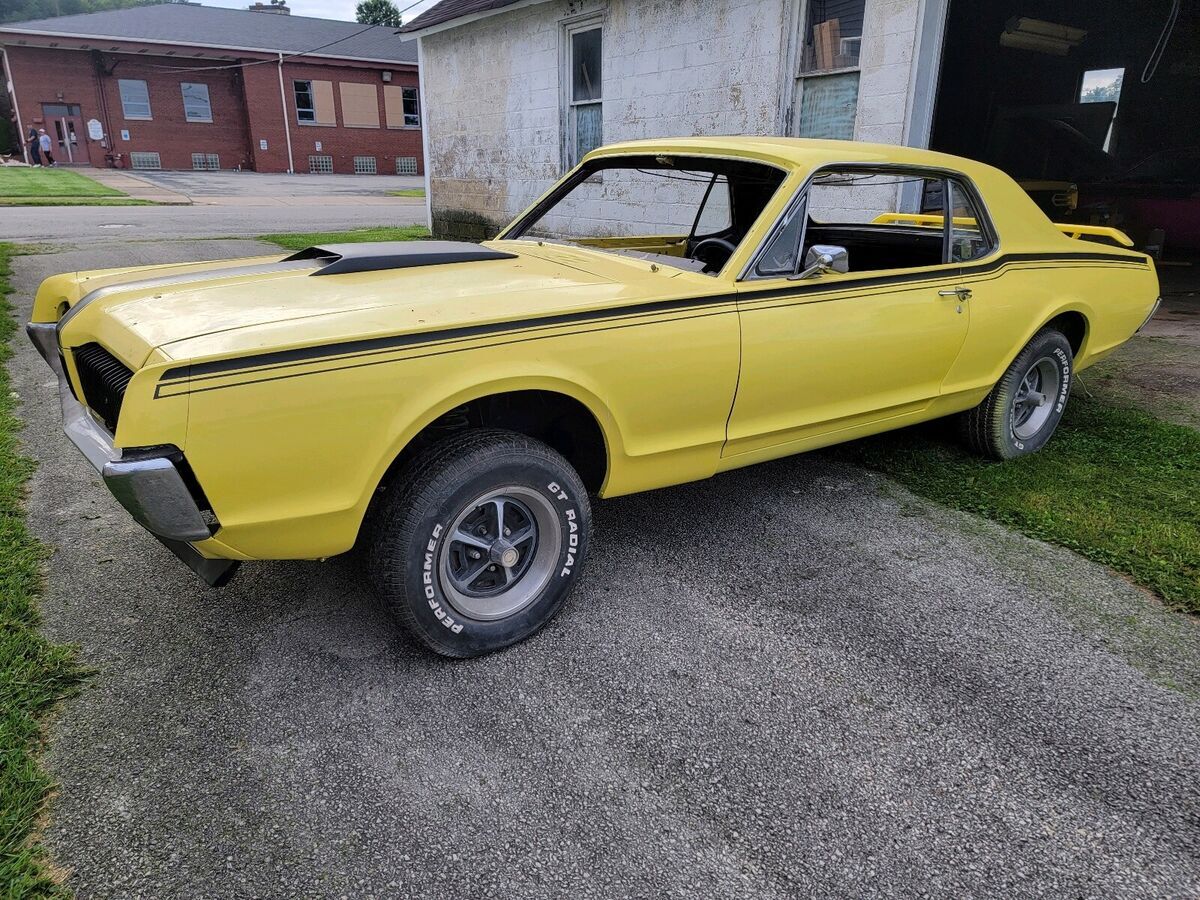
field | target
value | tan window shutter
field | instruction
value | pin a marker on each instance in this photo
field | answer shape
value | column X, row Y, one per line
column 360, row 105
column 323, row 102
column 393, row 105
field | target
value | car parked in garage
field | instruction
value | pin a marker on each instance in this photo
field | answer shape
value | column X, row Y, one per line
column 669, row 310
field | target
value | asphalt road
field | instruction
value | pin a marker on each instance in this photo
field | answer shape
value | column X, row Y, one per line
column 103, row 224
column 199, row 185
column 793, row 680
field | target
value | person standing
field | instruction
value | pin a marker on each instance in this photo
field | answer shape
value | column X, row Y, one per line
column 44, row 140
column 35, row 147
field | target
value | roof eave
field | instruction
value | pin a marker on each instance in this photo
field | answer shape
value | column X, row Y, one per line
column 468, row 19
column 5, row 29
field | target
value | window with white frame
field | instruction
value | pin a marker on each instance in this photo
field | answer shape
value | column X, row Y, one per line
column 365, row 165
column 406, row 165
column 306, row 108
column 584, row 94
column 320, row 165
column 196, row 105
column 135, row 98
column 206, row 162
column 827, row 61
column 412, row 108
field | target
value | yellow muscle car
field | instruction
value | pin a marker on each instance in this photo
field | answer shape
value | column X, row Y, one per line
column 669, row 310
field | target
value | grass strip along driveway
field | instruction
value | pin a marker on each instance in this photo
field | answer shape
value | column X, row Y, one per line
column 34, row 673
column 372, row 235
column 20, row 186
column 1114, row 484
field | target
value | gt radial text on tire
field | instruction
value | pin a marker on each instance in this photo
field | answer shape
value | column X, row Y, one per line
column 479, row 541
column 1023, row 409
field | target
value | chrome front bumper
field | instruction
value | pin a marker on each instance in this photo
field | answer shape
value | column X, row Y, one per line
column 147, row 482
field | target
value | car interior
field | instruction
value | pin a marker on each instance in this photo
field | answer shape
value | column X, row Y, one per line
column 889, row 239
column 731, row 195
column 695, row 211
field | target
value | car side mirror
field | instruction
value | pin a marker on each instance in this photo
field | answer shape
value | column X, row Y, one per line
column 822, row 259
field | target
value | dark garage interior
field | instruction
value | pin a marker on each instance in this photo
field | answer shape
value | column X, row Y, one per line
column 1093, row 107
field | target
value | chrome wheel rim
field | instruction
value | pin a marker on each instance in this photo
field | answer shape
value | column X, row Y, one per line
column 1033, row 402
column 499, row 553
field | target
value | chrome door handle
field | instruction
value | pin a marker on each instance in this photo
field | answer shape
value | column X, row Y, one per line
column 961, row 293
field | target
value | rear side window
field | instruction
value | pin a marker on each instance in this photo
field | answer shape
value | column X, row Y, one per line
column 968, row 240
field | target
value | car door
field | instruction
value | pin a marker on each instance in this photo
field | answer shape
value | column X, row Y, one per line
column 833, row 352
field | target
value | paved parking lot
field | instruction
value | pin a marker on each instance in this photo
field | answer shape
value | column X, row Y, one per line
column 249, row 186
column 792, row 680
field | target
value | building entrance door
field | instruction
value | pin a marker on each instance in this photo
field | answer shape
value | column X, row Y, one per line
column 67, row 133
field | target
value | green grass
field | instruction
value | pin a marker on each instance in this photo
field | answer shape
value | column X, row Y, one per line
column 34, row 673
column 313, row 239
column 74, row 201
column 1114, row 484
column 408, row 192
column 54, row 187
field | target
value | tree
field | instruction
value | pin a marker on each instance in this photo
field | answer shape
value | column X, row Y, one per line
column 28, row 10
column 378, row 12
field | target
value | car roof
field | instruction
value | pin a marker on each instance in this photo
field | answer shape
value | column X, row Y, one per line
column 797, row 152
column 1016, row 217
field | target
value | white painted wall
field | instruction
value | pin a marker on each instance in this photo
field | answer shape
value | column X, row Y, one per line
column 493, row 94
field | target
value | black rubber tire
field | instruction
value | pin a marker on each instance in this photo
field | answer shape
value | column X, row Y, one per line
column 988, row 428
column 406, row 531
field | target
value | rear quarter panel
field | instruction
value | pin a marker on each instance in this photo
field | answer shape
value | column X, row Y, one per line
column 1009, row 307
column 1044, row 274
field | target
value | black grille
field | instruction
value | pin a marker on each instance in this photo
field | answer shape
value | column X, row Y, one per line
column 103, row 379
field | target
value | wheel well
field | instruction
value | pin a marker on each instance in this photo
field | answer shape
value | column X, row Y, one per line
column 1073, row 326
column 555, row 419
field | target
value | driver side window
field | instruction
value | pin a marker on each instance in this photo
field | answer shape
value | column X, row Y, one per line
column 872, row 215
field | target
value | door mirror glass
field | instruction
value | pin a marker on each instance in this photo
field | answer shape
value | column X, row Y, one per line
column 824, row 258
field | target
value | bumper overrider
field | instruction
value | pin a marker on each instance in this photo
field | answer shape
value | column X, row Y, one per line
column 147, row 481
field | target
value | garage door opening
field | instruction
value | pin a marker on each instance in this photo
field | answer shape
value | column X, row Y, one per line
column 1082, row 104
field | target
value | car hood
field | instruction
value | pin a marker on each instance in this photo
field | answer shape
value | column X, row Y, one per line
column 267, row 303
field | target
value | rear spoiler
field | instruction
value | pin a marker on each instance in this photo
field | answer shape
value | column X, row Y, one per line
column 1070, row 229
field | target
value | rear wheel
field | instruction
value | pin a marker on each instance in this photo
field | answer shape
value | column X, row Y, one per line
column 1023, row 409
column 479, row 541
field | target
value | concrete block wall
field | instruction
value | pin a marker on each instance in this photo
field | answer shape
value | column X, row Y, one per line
column 670, row 68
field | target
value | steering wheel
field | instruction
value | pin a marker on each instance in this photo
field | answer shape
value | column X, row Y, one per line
column 714, row 252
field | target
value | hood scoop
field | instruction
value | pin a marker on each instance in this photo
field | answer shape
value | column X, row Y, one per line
column 340, row 259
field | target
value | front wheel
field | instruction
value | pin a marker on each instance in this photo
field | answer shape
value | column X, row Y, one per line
column 479, row 542
column 1025, row 406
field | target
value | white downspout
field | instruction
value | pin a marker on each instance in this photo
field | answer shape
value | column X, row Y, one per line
column 424, row 131
column 287, row 128
column 12, row 92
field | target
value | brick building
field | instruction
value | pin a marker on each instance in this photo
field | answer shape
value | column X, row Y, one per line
column 184, row 86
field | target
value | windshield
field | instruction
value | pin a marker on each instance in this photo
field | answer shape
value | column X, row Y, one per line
column 689, row 212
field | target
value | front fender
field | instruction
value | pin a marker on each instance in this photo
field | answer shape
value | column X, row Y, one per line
column 452, row 396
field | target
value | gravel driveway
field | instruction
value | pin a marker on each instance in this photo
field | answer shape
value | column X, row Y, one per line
column 791, row 680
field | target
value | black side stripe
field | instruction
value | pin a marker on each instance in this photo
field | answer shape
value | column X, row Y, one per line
column 394, row 342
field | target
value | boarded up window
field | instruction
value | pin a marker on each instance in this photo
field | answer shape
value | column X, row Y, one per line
column 401, row 107
column 360, row 105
